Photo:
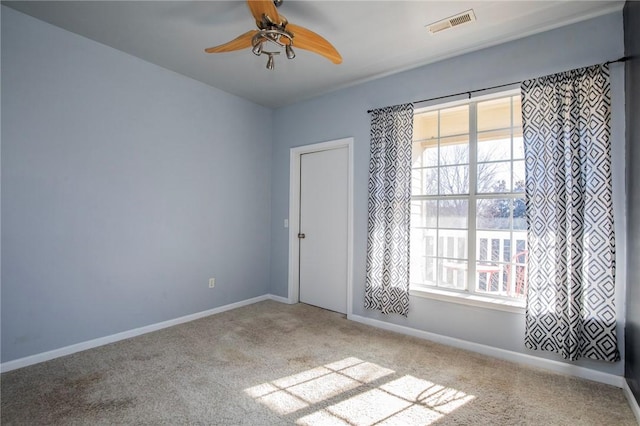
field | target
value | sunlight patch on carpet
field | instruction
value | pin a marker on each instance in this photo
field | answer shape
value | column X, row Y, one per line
column 404, row 400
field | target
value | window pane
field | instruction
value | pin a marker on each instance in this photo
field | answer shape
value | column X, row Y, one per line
column 518, row 145
column 520, row 248
column 430, row 241
column 490, row 246
column 425, row 126
column 494, row 214
column 453, row 274
column 416, row 268
column 454, row 180
column 519, row 215
column 516, row 271
column 416, row 264
column 454, row 121
column 488, row 277
column 506, row 251
column 454, row 214
column 424, row 181
column 418, row 242
column 425, row 153
column 518, row 176
column 454, row 150
column 494, row 114
column 519, row 284
column 416, row 155
column 494, row 145
column 424, row 214
column 431, row 270
column 520, row 244
column 517, row 111
column 494, row 177
column 423, row 270
column 452, row 244
column 419, row 271
column 423, row 255
column 482, row 247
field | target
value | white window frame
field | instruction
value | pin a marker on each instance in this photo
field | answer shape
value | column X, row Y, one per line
column 470, row 296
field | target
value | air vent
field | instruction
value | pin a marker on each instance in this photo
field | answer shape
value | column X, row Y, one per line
column 452, row 21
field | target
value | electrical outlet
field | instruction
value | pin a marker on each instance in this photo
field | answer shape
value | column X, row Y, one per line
column 212, row 282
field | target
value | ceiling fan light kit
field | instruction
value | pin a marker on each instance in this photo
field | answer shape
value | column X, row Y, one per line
column 273, row 34
column 274, row 28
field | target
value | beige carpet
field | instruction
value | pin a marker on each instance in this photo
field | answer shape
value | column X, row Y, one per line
column 271, row 363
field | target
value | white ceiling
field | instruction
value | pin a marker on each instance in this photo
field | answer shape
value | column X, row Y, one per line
column 375, row 38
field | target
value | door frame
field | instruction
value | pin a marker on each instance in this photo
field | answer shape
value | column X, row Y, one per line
column 294, row 214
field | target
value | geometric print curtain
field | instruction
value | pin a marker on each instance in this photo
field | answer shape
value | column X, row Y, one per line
column 571, row 260
column 387, row 284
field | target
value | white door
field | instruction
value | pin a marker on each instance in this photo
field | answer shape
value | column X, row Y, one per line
column 323, row 228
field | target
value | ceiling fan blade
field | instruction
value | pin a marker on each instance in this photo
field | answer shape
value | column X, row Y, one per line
column 308, row 40
column 238, row 43
column 264, row 7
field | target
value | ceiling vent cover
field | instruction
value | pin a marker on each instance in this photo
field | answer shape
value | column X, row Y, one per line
column 452, row 21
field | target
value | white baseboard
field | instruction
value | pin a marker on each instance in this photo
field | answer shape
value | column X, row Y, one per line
column 279, row 299
column 555, row 366
column 68, row 350
column 632, row 401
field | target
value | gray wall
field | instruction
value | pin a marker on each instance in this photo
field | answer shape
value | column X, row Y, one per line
column 632, row 75
column 124, row 188
column 343, row 114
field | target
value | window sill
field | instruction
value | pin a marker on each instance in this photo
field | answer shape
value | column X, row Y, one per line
column 488, row 302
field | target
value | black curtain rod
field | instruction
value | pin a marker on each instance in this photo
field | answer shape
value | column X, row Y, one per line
column 469, row 92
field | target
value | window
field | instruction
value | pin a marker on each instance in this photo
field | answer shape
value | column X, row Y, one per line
column 468, row 226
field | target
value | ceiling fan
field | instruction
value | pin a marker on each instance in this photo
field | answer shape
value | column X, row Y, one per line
column 275, row 29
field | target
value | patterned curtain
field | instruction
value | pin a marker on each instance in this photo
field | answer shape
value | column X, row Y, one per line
column 387, row 285
column 571, row 263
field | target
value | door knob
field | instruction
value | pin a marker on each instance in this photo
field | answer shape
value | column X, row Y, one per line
column 301, row 235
